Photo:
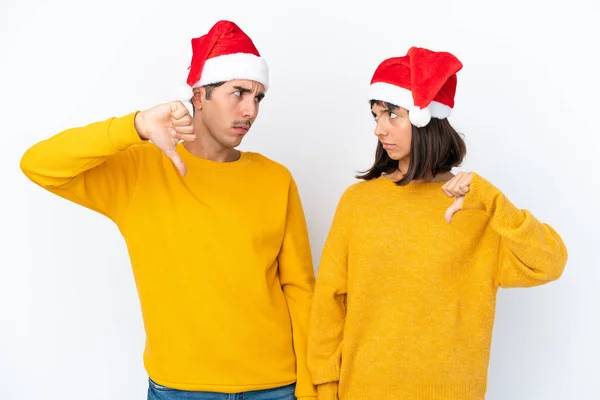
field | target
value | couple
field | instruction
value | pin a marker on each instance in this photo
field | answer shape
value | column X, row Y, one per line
column 403, row 305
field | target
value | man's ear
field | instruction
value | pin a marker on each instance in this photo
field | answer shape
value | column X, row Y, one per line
column 199, row 98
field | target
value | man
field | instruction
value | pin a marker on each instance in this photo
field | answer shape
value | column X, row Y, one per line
column 217, row 237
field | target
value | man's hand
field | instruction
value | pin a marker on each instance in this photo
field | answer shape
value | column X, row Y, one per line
column 165, row 125
column 457, row 187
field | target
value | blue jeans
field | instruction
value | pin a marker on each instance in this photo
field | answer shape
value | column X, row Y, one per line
column 158, row 392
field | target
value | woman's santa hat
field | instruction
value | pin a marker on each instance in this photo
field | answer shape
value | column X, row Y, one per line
column 225, row 53
column 422, row 82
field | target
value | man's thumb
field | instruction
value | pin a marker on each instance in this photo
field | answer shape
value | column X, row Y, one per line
column 177, row 161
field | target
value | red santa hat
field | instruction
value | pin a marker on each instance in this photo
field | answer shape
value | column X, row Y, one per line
column 422, row 82
column 225, row 53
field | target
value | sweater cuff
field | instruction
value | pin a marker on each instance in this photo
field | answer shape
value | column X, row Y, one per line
column 122, row 132
column 327, row 373
column 481, row 194
column 327, row 391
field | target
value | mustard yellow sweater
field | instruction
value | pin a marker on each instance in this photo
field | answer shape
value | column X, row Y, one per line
column 404, row 302
column 221, row 257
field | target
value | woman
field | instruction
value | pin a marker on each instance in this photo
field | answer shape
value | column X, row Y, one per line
column 405, row 296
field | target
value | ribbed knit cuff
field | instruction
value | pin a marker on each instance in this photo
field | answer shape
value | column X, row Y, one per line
column 327, row 391
column 122, row 132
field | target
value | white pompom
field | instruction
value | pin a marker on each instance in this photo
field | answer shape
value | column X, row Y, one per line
column 184, row 93
column 419, row 117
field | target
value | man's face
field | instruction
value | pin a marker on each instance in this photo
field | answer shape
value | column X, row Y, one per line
column 229, row 111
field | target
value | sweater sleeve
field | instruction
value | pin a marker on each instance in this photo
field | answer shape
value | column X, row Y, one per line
column 94, row 165
column 297, row 279
column 531, row 252
column 327, row 391
column 328, row 313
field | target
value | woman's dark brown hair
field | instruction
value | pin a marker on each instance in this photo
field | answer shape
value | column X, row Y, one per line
column 435, row 148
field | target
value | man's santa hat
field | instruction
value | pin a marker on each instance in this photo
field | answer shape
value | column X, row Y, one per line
column 225, row 53
column 422, row 82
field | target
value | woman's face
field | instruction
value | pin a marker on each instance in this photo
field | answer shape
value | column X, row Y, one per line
column 394, row 131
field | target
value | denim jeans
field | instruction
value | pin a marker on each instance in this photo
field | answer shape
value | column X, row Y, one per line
column 158, row 392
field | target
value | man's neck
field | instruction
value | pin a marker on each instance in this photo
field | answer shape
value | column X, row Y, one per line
column 203, row 147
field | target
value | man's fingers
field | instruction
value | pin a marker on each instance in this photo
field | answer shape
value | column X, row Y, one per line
column 186, row 137
column 182, row 123
column 186, row 120
column 178, row 110
column 183, row 130
column 177, row 161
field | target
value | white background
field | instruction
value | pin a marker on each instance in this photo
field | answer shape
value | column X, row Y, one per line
column 527, row 101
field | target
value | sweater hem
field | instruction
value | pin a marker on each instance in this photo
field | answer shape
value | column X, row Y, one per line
column 211, row 387
column 415, row 389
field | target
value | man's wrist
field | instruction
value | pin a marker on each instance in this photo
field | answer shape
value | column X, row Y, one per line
column 140, row 125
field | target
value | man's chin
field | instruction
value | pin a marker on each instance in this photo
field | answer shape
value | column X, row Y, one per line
column 233, row 142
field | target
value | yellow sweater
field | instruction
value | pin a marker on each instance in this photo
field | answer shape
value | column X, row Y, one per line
column 404, row 302
column 221, row 257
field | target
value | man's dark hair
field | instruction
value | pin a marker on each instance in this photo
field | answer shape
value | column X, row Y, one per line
column 209, row 89
column 435, row 148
